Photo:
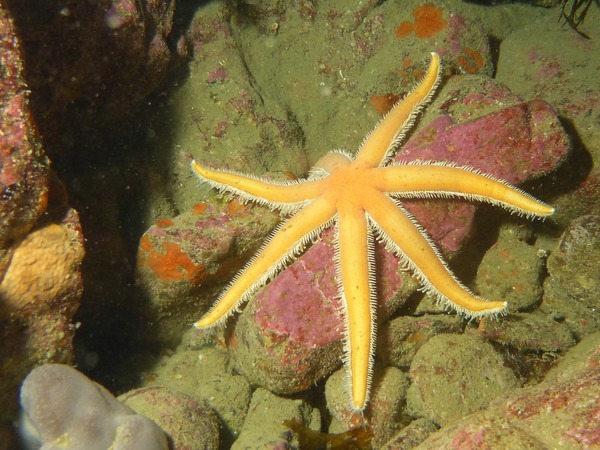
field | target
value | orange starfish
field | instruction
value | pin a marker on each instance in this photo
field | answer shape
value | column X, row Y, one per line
column 360, row 196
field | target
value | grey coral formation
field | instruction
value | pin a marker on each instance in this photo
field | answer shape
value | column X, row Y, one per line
column 63, row 409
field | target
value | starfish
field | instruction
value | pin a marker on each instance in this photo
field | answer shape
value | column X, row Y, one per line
column 361, row 196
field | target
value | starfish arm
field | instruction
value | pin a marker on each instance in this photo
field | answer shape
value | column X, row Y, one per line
column 355, row 277
column 442, row 180
column 402, row 234
column 284, row 196
column 288, row 239
column 392, row 129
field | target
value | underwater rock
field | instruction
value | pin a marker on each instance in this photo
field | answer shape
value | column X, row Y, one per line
column 188, row 424
column 515, row 143
column 41, row 241
column 23, row 165
column 230, row 121
column 264, row 428
column 121, row 57
column 386, row 406
column 182, row 263
column 454, row 375
column 289, row 336
column 459, row 39
column 206, row 376
column 401, row 338
column 39, row 296
column 62, row 408
column 535, row 331
column 561, row 67
column 41, row 291
column 564, row 406
column 572, row 287
column 44, row 275
column 354, row 63
column 411, row 435
column 513, row 271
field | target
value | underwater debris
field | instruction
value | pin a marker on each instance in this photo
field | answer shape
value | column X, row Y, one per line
column 358, row 438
